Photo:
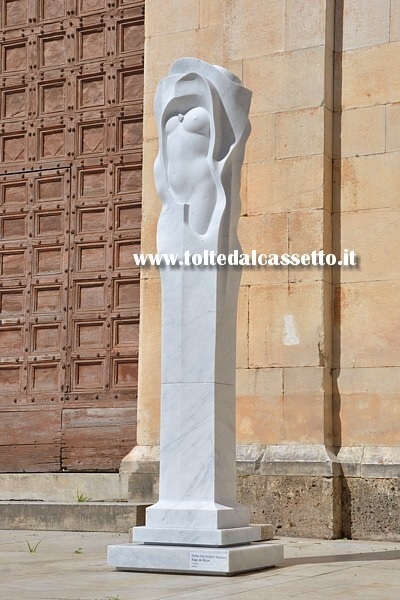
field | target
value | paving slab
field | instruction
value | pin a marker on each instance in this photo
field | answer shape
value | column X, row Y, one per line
column 72, row 566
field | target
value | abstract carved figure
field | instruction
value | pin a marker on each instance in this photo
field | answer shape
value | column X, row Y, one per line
column 203, row 126
column 188, row 171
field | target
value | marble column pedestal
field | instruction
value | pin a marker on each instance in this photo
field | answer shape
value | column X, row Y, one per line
column 191, row 559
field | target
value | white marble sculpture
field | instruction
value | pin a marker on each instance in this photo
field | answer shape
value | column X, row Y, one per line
column 203, row 125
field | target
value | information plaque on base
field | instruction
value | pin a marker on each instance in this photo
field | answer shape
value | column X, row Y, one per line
column 192, row 559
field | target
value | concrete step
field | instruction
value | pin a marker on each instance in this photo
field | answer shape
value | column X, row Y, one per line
column 63, row 487
column 116, row 517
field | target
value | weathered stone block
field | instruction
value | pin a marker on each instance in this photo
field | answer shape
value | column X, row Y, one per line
column 243, row 191
column 299, row 459
column 369, row 418
column 291, row 331
column 371, row 76
column 63, row 487
column 236, row 66
column 141, row 459
column 395, row 21
column 314, row 14
column 148, row 245
column 301, row 133
column 171, row 16
column 349, row 458
column 267, row 531
column 261, row 144
column 143, row 487
column 370, row 233
column 368, row 337
column 284, row 185
column 362, row 23
column 266, row 21
column 150, row 362
column 307, row 406
column 266, row 234
column 248, row 458
column 366, row 400
column 371, row 508
column 296, row 506
column 381, row 462
column 362, row 132
column 149, row 122
column 162, row 50
column 259, row 406
column 151, row 208
column 310, row 230
column 87, row 516
column 282, row 81
column 211, row 13
column 355, row 188
column 303, row 419
column 328, row 183
column 393, row 126
column 242, row 331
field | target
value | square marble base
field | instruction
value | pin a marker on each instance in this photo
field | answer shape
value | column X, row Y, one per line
column 192, row 559
column 197, row 537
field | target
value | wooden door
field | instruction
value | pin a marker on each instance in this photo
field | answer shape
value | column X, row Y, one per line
column 71, row 88
column 34, row 251
column 103, row 318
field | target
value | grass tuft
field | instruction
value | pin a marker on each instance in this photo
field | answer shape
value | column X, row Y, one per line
column 32, row 548
column 81, row 497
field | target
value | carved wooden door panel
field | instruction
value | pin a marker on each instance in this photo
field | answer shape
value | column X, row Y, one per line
column 71, row 103
column 103, row 317
column 34, row 251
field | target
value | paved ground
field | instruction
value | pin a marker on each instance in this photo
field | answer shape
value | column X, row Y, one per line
column 72, row 566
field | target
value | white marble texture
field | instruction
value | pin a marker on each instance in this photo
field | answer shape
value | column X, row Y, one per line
column 202, row 117
column 199, row 423
column 187, row 559
column 197, row 537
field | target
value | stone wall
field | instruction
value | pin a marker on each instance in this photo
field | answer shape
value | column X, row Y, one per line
column 325, row 78
column 366, row 209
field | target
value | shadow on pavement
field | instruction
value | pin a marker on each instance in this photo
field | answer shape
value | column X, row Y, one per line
column 361, row 557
